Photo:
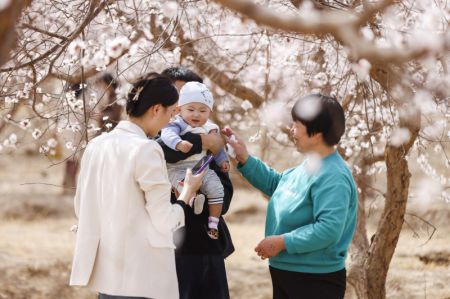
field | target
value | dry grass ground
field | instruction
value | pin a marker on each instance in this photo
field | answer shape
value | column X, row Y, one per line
column 36, row 244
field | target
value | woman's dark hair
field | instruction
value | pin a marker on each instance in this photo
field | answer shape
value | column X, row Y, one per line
column 320, row 114
column 179, row 73
column 149, row 92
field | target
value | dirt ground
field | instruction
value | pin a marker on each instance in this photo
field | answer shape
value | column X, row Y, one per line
column 36, row 243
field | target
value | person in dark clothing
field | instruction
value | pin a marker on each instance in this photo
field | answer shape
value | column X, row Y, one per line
column 200, row 259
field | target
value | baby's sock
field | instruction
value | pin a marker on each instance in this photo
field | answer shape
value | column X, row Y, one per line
column 213, row 222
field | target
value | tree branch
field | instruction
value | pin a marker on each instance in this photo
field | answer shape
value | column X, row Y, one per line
column 8, row 19
column 232, row 86
column 51, row 34
column 93, row 12
column 344, row 26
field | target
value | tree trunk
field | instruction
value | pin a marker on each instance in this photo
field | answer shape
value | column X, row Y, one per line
column 398, row 178
column 8, row 19
column 356, row 276
column 388, row 232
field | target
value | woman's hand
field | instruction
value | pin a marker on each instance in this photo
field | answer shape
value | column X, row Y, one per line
column 212, row 142
column 270, row 246
column 191, row 184
column 237, row 144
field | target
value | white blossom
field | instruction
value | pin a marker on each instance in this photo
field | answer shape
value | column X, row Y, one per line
column 274, row 115
column 101, row 60
column 308, row 108
column 246, row 105
column 25, row 123
column 36, row 133
column 115, row 47
column 69, row 146
column 435, row 131
column 46, row 98
column 426, row 191
column 4, row 4
column 11, row 100
column 399, row 136
column 76, row 47
column 362, row 69
column 43, row 149
column 313, row 163
column 52, row 142
column 11, row 141
column 320, row 80
column 423, row 100
column 169, row 8
column 255, row 137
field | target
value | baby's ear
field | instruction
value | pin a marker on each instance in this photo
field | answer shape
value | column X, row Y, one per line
column 178, row 109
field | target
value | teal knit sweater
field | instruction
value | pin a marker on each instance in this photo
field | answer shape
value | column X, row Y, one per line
column 315, row 212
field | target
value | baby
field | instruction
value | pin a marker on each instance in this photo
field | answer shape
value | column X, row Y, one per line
column 195, row 105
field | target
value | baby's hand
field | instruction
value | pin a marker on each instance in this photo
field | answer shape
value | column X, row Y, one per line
column 184, row 146
column 225, row 166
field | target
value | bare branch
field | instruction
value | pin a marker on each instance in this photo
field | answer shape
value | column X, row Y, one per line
column 428, row 224
column 28, row 26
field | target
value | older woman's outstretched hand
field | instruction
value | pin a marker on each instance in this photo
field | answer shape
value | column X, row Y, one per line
column 191, row 184
column 237, row 144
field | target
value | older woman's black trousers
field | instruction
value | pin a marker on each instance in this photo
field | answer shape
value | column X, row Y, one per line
column 299, row 285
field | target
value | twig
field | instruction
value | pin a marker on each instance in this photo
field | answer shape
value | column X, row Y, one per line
column 426, row 222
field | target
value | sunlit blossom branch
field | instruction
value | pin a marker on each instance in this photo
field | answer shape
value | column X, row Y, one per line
column 76, row 78
column 232, row 86
column 93, row 12
column 344, row 26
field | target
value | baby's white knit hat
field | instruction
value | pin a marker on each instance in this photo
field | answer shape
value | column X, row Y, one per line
column 195, row 92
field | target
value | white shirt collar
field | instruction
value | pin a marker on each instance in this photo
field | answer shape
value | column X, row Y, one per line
column 128, row 126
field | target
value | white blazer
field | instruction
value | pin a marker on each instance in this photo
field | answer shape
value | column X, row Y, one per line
column 124, row 243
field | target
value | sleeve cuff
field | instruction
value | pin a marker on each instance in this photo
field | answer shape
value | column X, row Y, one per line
column 180, row 203
column 288, row 243
column 248, row 166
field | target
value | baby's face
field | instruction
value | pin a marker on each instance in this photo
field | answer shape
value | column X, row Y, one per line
column 195, row 114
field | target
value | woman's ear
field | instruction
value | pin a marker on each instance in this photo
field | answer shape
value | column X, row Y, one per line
column 156, row 108
column 318, row 138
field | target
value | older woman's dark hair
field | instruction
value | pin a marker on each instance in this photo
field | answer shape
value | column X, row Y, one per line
column 150, row 92
column 320, row 114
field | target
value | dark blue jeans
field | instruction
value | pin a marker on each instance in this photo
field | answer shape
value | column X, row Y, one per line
column 104, row 296
column 202, row 277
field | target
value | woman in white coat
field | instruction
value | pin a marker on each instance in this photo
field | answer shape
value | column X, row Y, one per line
column 124, row 246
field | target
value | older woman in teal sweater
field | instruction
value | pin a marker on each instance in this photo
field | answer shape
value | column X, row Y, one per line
column 311, row 214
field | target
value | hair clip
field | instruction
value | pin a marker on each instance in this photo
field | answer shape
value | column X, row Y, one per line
column 138, row 92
